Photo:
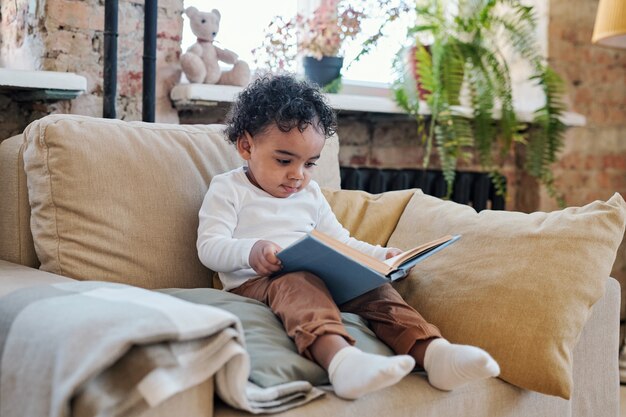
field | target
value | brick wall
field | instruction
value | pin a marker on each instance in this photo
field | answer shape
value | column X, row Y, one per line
column 593, row 162
column 68, row 36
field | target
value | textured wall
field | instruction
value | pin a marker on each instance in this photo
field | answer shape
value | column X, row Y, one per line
column 68, row 36
column 19, row 49
column 593, row 162
column 20, row 45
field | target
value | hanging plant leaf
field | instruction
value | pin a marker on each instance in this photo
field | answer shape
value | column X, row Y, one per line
column 465, row 65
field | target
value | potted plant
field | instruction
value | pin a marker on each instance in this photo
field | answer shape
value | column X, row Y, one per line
column 460, row 63
column 317, row 38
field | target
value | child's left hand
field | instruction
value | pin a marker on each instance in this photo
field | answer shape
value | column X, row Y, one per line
column 391, row 252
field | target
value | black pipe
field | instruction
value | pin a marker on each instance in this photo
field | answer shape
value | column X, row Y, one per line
column 110, row 59
column 149, row 59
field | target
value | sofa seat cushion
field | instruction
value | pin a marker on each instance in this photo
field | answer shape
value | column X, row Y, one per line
column 118, row 201
column 274, row 359
column 414, row 396
column 521, row 286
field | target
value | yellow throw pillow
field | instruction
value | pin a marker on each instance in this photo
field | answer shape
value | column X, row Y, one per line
column 371, row 218
column 518, row 285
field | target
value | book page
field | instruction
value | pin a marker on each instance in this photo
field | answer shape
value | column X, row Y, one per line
column 369, row 261
column 398, row 260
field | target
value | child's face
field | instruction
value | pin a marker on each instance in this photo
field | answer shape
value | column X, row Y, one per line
column 281, row 163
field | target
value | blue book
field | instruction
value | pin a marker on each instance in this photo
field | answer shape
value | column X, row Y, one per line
column 348, row 272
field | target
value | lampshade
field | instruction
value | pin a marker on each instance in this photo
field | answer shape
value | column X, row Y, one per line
column 610, row 27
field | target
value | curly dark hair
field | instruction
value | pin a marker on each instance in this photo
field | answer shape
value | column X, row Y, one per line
column 281, row 100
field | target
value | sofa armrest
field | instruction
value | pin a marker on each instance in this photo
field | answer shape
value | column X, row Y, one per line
column 596, row 370
column 15, row 276
column 196, row 401
column 16, row 241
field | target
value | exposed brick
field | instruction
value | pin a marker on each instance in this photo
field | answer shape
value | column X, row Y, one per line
column 170, row 28
column 354, row 133
column 603, row 180
column 407, row 156
column 76, row 14
column 583, row 95
column 353, row 155
column 614, row 161
column 175, row 6
column 73, row 55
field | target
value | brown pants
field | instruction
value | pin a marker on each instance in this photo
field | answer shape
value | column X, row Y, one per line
column 307, row 310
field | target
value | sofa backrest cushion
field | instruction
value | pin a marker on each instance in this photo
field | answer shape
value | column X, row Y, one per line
column 118, row 201
column 369, row 217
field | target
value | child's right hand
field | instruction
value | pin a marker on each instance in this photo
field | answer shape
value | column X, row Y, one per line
column 263, row 257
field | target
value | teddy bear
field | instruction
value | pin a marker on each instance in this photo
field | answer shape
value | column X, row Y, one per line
column 200, row 63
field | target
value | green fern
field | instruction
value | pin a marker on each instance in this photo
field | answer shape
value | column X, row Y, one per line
column 546, row 141
column 464, row 56
column 334, row 86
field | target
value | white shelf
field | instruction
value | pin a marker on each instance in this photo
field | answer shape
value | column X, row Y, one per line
column 200, row 95
column 190, row 95
column 44, row 85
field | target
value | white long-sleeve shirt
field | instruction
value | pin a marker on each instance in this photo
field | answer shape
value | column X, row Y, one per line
column 235, row 214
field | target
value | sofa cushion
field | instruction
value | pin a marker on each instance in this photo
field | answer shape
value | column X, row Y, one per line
column 118, row 201
column 519, row 285
column 369, row 217
column 274, row 359
column 414, row 397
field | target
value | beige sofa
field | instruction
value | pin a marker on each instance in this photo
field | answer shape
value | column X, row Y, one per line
column 84, row 198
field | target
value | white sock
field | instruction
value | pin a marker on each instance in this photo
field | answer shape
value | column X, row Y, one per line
column 449, row 366
column 355, row 373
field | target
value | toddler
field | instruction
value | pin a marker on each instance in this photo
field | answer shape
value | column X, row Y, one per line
column 279, row 126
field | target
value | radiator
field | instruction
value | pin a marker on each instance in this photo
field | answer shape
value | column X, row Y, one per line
column 472, row 188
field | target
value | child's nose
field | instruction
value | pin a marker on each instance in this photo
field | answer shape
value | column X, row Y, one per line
column 297, row 173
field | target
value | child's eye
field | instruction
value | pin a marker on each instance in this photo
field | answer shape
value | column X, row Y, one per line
column 283, row 161
column 310, row 164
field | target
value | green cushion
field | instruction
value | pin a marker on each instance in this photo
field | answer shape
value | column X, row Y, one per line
column 273, row 355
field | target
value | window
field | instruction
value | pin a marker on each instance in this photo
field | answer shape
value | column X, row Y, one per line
column 243, row 23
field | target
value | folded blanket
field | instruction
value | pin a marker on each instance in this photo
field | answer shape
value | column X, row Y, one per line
column 85, row 348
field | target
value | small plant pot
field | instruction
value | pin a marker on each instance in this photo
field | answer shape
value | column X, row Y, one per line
column 322, row 71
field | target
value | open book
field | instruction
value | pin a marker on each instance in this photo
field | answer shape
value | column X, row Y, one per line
column 348, row 272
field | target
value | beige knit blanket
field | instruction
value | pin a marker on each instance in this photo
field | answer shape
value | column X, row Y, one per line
column 95, row 348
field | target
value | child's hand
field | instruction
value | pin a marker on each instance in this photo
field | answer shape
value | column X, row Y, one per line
column 263, row 257
column 391, row 252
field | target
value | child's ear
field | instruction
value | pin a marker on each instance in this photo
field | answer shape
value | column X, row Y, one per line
column 244, row 145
